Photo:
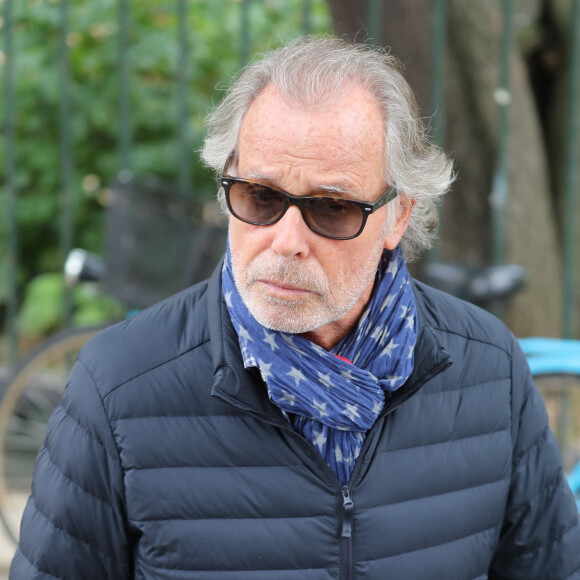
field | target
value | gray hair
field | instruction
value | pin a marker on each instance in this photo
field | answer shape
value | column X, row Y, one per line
column 312, row 70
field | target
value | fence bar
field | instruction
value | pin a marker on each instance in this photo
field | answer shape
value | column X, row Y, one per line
column 66, row 166
column 11, row 194
column 125, row 135
column 245, row 32
column 184, row 157
column 438, row 38
column 374, row 21
column 570, row 261
column 500, row 185
column 307, row 17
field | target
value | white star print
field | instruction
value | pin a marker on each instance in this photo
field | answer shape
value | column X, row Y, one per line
column 388, row 301
column 325, row 379
column 347, row 375
column 288, row 340
column 265, row 370
column 362, row 321
column 393, row 268
column 388, row 350
column 244, row 334
column 411, row 351
column 317, row 348
column 270, row 340
column 228, row 297
column 393, row 379
column 410, row 321
column 377, row 407
column 319, row 440
column 351, row 411
column 288, row 397
column 320, row 407
column 296, row 375
column 348, row 460
column 405, row 310
column 377, row 333
column 338, row 454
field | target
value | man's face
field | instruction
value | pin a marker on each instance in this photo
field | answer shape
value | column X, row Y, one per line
column 292, row 279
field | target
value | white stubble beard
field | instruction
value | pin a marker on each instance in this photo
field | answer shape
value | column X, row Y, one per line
column 327, row 300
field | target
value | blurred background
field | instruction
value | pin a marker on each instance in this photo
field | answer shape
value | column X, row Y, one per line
column 98, row 94
column 102, row 112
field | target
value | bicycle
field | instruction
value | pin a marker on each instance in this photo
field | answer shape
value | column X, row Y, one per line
column 554, row 362
column 38, row 383
column 555, row 365
column 151, row 233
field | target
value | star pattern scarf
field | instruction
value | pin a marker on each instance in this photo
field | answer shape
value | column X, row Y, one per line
column 334, row 397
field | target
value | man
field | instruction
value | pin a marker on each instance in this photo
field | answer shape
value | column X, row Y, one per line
column 309, row 412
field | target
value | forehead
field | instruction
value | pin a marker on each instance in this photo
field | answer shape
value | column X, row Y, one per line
column 341, row 134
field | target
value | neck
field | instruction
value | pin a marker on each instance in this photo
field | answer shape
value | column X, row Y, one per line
column 329, row 335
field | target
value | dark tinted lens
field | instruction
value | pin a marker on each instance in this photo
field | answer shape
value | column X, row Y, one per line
column 333, row 217
column 256, row 203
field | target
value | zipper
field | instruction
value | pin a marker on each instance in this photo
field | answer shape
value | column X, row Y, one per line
column 346, row 532
column 346, row 568
column 347, row 513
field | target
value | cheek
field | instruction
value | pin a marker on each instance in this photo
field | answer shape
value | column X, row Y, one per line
column 246, row 241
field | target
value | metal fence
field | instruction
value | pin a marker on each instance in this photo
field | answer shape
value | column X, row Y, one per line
column 243, row 44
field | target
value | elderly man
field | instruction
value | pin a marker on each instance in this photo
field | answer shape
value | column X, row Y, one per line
column 310, row 411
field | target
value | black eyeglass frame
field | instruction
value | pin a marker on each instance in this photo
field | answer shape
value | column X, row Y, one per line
column 366, row 208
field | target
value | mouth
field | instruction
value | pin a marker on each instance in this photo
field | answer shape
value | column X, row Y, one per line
column 283, row 290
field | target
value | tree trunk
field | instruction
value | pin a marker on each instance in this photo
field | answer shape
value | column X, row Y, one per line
column 472, row 76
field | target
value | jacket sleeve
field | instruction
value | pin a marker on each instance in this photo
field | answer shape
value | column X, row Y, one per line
column 540, row 537
column 74, row 525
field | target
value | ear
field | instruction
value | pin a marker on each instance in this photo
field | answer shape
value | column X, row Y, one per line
column 404, row 209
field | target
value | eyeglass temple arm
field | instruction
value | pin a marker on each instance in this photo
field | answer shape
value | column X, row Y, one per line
column 388, row 196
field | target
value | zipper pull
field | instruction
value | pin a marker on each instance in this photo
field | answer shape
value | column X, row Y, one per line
column 347, row 513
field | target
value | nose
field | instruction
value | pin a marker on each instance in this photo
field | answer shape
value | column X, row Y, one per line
column 291, row 235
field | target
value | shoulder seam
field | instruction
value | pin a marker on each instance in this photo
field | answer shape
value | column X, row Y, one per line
column 117, row 459
column 81, row 540
column 471, row 338
column 148, row 370
column 31, row 563
column 85, row 430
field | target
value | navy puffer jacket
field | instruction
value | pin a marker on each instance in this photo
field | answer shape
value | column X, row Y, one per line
column 166, row 459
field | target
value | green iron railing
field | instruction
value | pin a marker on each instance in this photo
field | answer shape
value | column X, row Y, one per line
column 500, row 187
column 571, row 207
column 125, row 133
column 438, row 38
column 66, row 198
column 184, row 170
column 10, row 191
column 373, row 21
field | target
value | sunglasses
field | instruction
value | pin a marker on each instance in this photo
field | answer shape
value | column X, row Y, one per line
column 331, row 217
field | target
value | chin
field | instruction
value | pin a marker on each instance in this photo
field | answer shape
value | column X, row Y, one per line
column 292, row 319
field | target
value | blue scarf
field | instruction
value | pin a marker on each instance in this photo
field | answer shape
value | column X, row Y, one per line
column 333, row 402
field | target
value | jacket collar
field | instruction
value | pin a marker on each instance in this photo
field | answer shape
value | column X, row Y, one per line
column 244, row 389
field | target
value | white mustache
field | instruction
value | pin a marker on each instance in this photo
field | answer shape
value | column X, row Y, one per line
column 284, row 271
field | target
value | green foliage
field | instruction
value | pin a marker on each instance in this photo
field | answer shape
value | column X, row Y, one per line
column 92, row 307
column 41, row 310
column 214, row 39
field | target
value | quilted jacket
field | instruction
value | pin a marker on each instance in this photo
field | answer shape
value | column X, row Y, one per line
column 167, row 460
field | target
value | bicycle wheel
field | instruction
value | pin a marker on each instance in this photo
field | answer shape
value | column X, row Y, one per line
column 28, row 399
column 561, row 394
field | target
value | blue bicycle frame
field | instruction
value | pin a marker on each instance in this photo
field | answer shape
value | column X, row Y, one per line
column 554, row 356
